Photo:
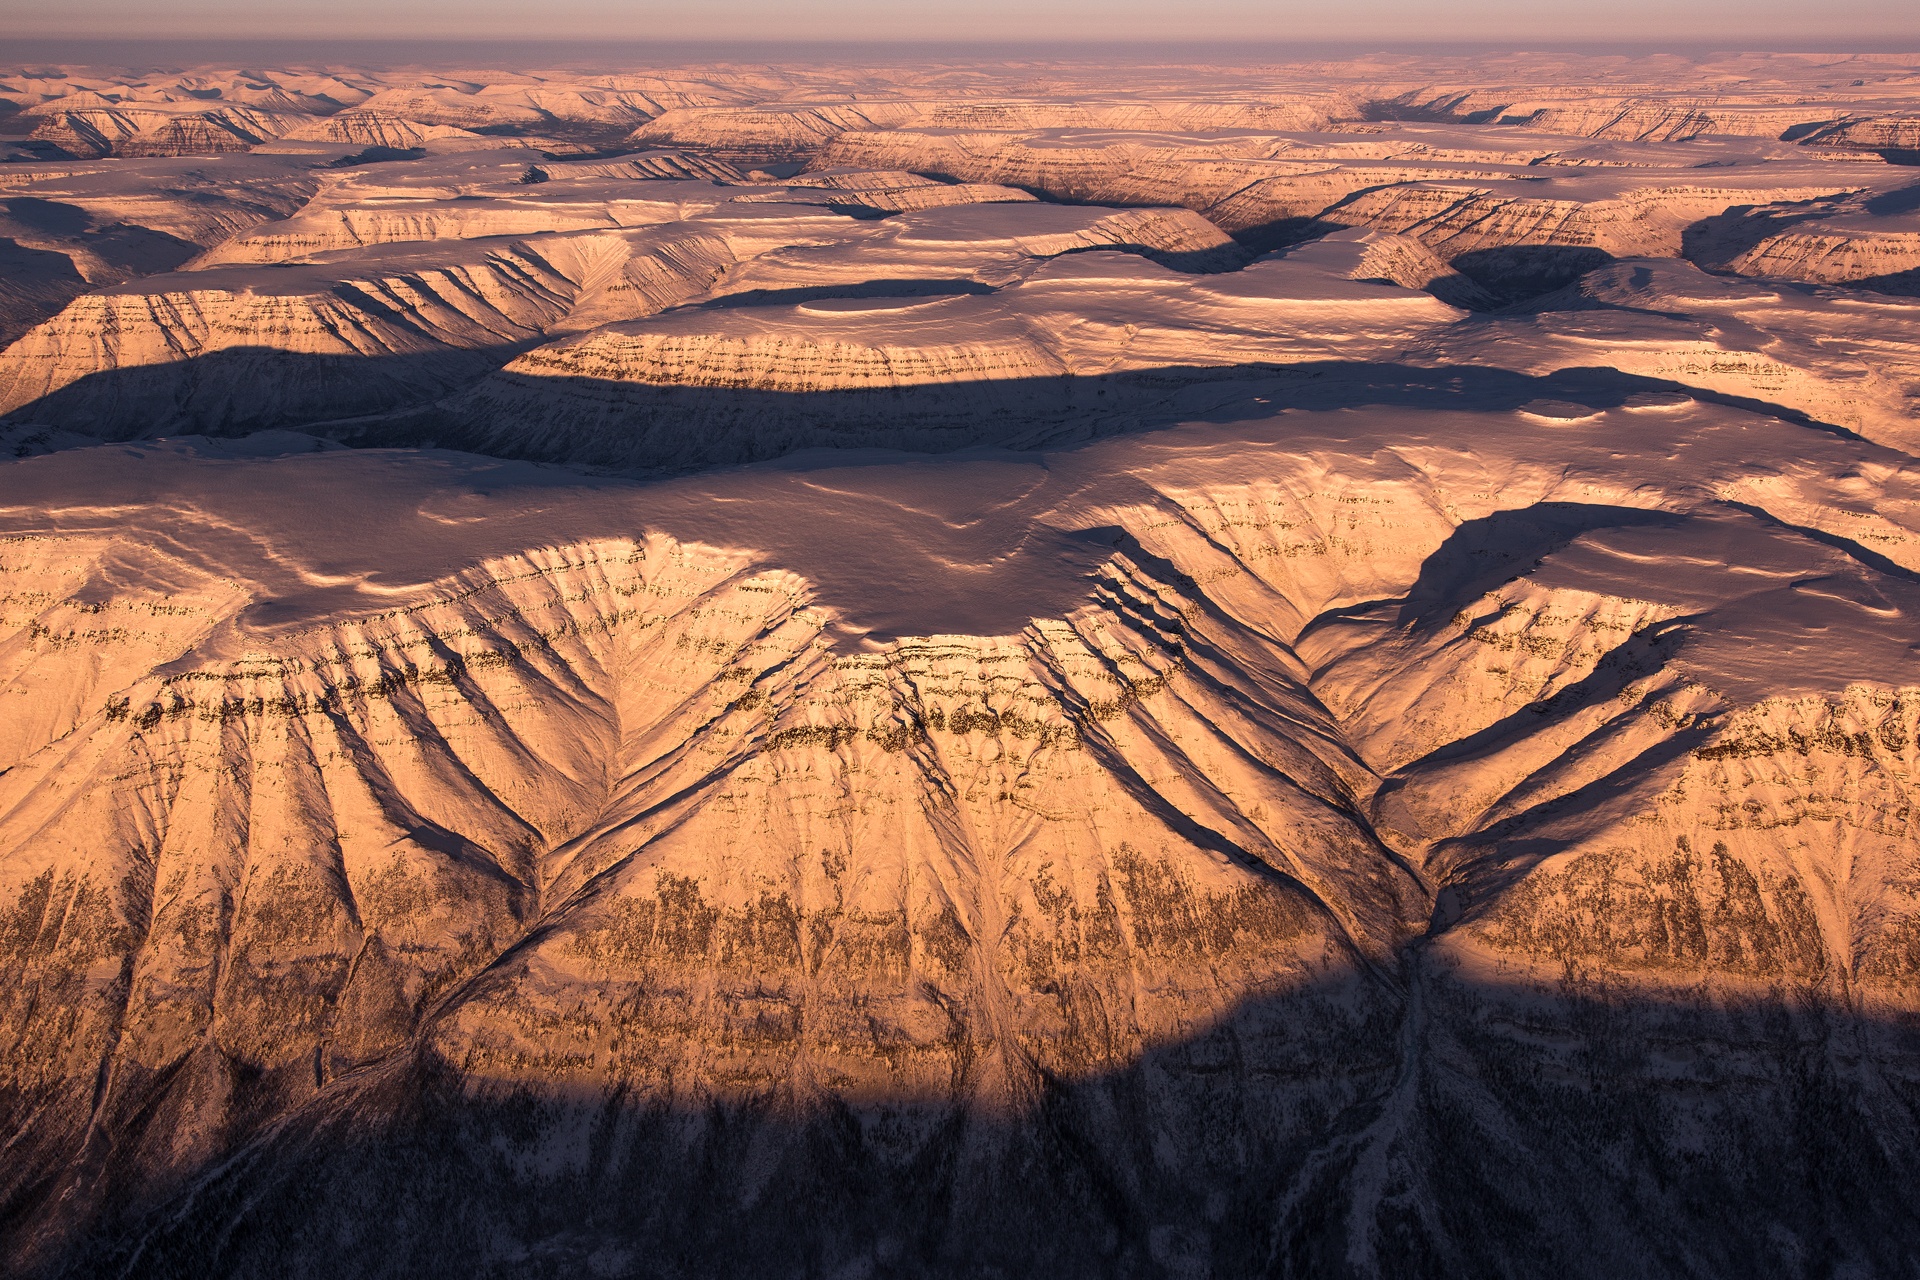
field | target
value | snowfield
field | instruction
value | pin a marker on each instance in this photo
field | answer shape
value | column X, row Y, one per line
column 962, row 670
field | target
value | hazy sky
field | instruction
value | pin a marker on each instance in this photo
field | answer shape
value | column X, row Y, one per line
column 1726, row 23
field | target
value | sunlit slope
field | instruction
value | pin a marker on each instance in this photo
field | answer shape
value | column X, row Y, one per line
column 634, row 818
column 953, row 669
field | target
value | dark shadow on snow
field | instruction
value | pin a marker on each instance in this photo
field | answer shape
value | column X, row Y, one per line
column 246, row 389
column 133, row 249
column 915, row 288
column 1514, row 273
column 1891, row 203
column 1481, row 554
column 1579, row 1127
column 462, row 399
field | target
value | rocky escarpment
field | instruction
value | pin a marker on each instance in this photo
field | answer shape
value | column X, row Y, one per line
column 656, row 164
column 1522, row 226
column 1239, row 182
column 1271, row 854
column 877, row 957
column 1088, row 344
column 1899, row 133
column 1354, row 716
column 436, row 306
column 228, row 349
column 86, row 226
column 892, row 192
column 368, row 128
column 328, row 226
column 1877, row 252
column 784, row 132
column 1838, row 356
column 152, row 129
column 1653, row 117
column 469, row 196
column 206, row 121
column 1645, row 219
column 787, row 277
column 944, row 249
column 1097, row 343
column 1393, row 259
column 460, row 109
column 1863, row 114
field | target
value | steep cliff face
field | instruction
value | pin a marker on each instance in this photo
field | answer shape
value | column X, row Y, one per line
column 486, row 197
column 1840, row 357
column 943, row 250
column 1456, row 199
column 74, row 227
column 232, row 348
column 368, row 128
column 1645, row 220
column 896, row 806
column 886, row 193
column 781, row 132
column 1657, row 113
column 1133, row 673
column 1664, row 120
column 463, row 110
column 1088, row 343
column 156, row 129
column 1881, row 252
column 1238, row 181
column 1266, row 852
column 439, row 302
column 802, row 300
column 330, row 226
column 1880, row 133
column 1391, row 258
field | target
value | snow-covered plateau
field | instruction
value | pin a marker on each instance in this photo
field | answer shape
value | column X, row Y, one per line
column 961, row 670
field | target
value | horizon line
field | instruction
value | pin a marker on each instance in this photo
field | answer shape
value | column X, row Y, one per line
column 40, row 47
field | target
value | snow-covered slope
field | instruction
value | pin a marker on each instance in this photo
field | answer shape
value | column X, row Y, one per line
column 641, row 816
column 1101, row 669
